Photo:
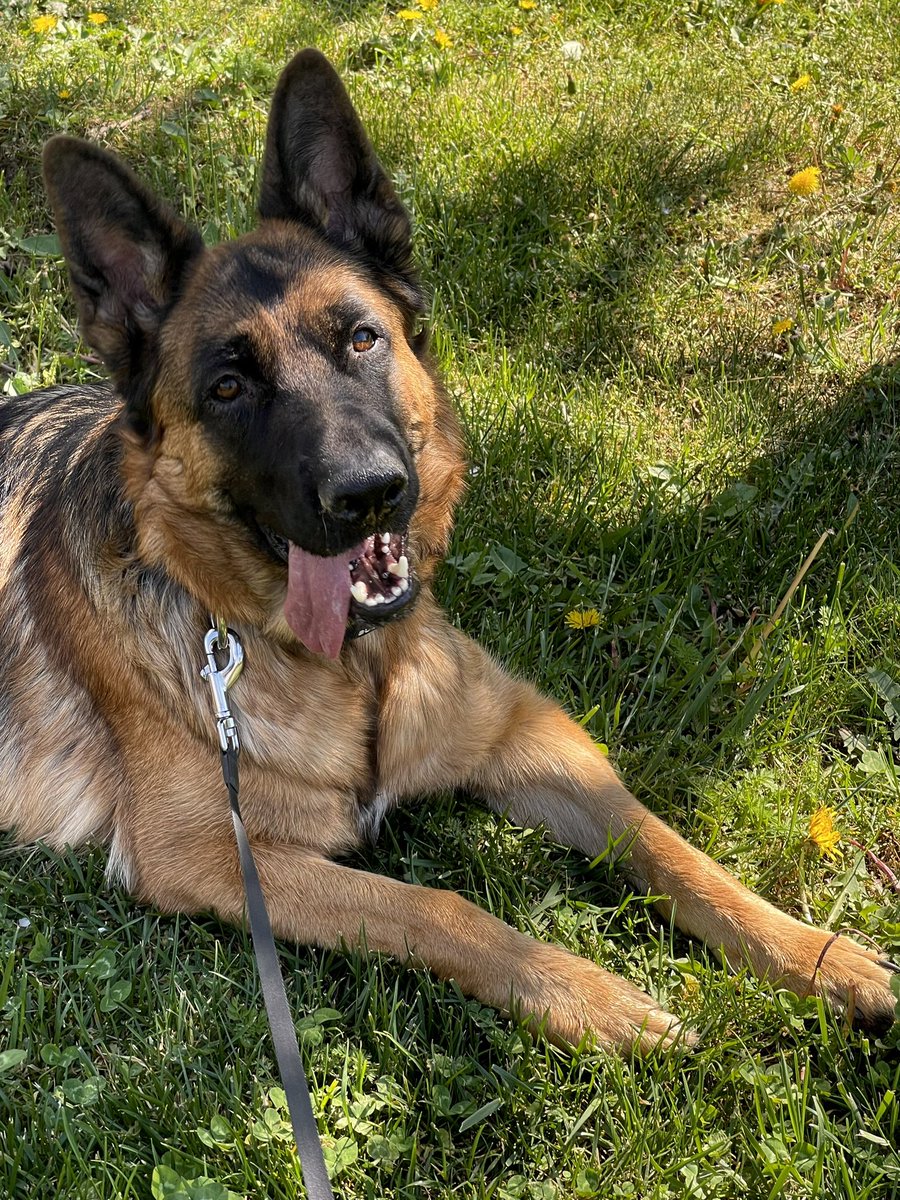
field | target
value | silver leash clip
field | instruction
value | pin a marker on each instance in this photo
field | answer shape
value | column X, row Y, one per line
column 220, row 680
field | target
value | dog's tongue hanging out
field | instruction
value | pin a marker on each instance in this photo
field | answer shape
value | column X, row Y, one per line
column 318, row 599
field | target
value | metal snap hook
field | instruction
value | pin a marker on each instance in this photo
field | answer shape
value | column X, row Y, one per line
column 221, row 679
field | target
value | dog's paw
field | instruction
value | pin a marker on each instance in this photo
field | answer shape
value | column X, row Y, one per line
column 583, row 1004
column 852, row 978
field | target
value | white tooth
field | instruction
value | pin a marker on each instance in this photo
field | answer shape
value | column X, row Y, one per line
column 379, row 599
column 371, row 602
column 397, row 591
column 359, row 592
column 400, row 568
column 385, row 539
column 404, row 585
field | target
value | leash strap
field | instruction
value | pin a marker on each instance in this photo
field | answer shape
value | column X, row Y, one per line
column 284, row 1035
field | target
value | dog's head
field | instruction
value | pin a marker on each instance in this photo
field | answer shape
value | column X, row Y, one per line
column 289, row 448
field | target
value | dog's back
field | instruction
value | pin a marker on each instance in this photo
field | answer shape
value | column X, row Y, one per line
column 62, row 502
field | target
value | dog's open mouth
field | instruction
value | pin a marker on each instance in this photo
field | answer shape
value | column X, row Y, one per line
column 329, row 597
column 380, row 575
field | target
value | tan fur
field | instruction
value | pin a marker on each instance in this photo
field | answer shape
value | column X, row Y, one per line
column 107, row 729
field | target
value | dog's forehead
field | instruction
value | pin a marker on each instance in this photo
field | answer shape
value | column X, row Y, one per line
column 279, row 283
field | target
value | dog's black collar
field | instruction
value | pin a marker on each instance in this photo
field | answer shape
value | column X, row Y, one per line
column 358, row 626
column 357, row 629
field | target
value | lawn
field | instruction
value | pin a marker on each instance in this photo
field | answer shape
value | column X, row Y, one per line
column 676, row 374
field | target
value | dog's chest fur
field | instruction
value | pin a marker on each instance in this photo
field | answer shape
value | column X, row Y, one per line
column 310, row 732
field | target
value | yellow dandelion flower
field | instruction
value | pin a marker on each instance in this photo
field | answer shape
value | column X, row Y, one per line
column 801, row 82
column 427, row 5
column 766, row 3
column 822, row 832
column 97, row 18
column 691, row 991
column 65, row 94
column 515, row 30
column 836, row 110
column 43, row 24
column 805, row 182
column 781, row 327
column 583, row 618
column 409, row 14
column 442, row 39
column 528, row 5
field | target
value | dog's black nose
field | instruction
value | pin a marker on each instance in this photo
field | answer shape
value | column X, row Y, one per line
column 364, row 496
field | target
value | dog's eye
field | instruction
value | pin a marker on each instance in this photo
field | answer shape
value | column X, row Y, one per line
column 227, row 388
column 364, row 339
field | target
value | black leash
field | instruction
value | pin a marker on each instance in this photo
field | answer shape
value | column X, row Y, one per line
column 284, row 1035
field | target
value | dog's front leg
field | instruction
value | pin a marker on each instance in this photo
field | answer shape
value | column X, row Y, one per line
column 546, row 770
column 497, row 737
column 315, row 901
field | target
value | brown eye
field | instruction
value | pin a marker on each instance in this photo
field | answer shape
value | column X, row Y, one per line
column 228, row 388
column 364, row 339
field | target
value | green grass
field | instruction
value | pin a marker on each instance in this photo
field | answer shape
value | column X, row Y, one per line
column 609, row 242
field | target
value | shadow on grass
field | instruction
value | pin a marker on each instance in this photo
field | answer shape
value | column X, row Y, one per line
column 729, row 550
column 570, row 245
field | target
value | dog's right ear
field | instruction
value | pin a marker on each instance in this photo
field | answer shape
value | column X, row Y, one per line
column 126, row 251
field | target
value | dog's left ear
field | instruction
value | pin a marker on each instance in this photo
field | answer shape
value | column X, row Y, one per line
column 320, row 169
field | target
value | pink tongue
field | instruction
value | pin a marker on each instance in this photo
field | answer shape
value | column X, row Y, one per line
column 318, row 598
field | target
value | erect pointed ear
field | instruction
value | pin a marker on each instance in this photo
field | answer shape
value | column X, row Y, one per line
column 126, row 251
column 320, row 169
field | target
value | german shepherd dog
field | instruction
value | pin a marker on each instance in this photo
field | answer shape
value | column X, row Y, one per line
column 276, row 448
